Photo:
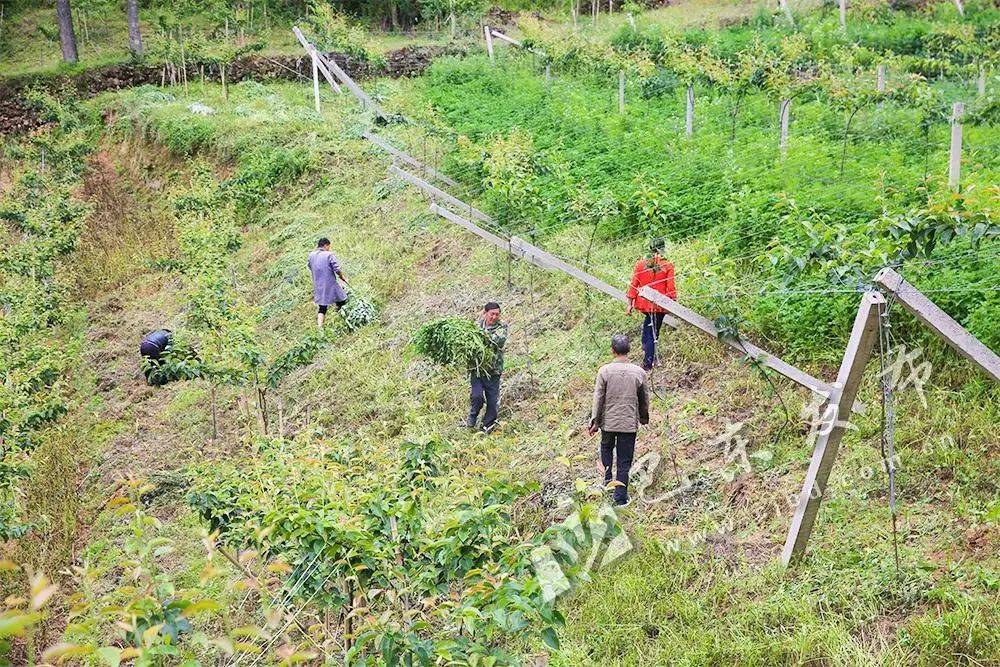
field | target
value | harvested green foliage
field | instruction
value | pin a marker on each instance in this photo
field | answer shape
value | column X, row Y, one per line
column 455, row 341
column 359, row 310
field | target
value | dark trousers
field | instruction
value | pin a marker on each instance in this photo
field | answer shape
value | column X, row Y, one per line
column 620, row 445
column 650, row 334
column 484, row 390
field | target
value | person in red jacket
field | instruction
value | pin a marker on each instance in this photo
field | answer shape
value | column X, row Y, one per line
column 656, row 272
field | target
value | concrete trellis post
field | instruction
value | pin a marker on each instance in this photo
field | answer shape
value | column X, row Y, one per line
column 955, row 154
column 783, row 4
column 856, row 356
column 880, row 79
column 784, row 111
column 835, row 412
column 489, row 41
column 940, row 323
column 843, row 15
column 315, row 69
column 690, row 110
column 548, row 75
column 621, row 91
column 323, row 69
column 981, row 82
column 960, row 7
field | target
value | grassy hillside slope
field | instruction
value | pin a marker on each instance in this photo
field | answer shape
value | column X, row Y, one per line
column 700, row 585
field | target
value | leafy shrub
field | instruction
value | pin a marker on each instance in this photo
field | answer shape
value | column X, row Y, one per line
column 260, row 173
column 333, row 31
column 455, row 341
column 370, row 533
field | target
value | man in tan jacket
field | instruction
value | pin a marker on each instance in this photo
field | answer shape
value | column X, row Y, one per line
column 621, row 403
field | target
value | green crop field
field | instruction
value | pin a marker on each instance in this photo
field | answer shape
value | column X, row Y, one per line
column 279, row 494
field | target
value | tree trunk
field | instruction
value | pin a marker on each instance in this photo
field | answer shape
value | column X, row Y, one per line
column 134, row 36
column 67, row 38
column 394, row 15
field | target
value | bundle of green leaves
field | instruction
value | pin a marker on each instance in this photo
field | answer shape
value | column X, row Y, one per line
column 358, row 311
column 455, row 341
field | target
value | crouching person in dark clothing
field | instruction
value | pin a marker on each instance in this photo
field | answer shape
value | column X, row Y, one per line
column 621, row 403
column 153, row 347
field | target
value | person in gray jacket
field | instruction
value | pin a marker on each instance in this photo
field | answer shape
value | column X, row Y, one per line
column 621, row 403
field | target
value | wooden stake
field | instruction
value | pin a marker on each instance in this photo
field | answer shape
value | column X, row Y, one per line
column 832, row 427
column 784, row 111
column 184, row 77
column 955, row 153
column 281, row 417
column 215, row 417
column 621, row 91
column 315, row 71
column 940, row 323
column 690, row 110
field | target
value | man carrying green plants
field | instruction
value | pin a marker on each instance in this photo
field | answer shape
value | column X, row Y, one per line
column 486, row 382
column 621, row 403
